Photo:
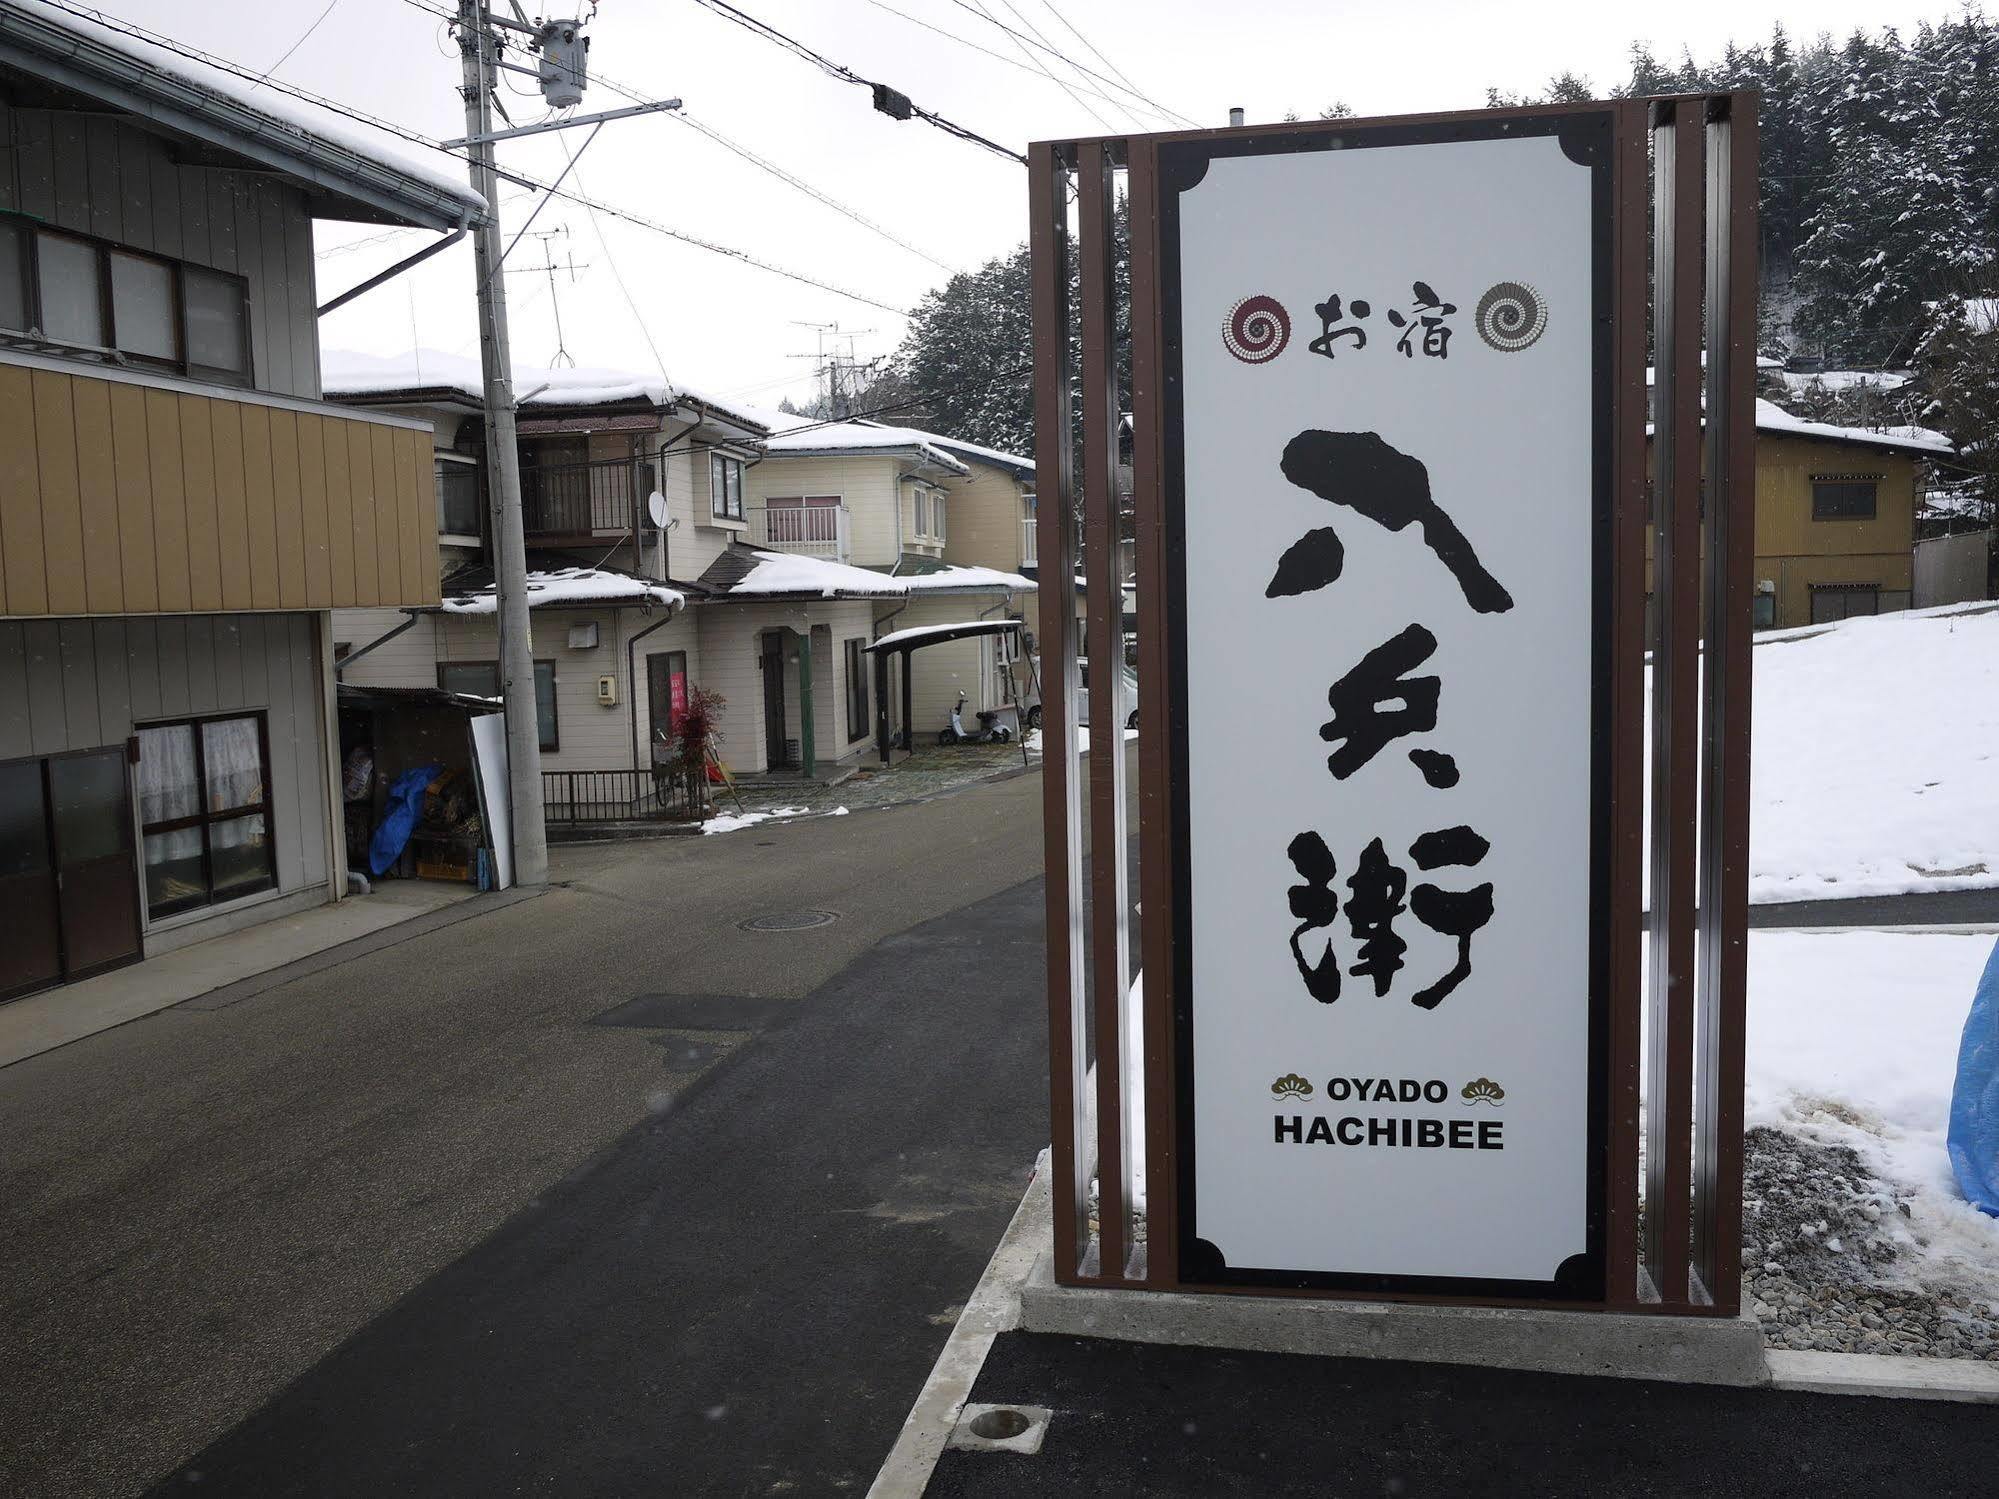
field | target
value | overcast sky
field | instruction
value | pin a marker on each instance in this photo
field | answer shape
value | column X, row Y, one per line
column 731, row 330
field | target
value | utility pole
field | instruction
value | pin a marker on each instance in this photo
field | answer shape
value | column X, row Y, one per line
column 503, row 465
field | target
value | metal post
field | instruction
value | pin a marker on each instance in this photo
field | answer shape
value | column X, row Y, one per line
column 516, row 654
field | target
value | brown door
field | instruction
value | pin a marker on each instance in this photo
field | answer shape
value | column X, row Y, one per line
column 97, row 889
column 31, row 956
column 776, row 747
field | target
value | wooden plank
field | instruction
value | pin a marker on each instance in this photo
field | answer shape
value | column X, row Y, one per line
column 309, row 762
column 339, row 508
column 170, row 656
column 1730, row 562
column 1109, row 952
column 201, row 693
column 163, row 183
column 1677, row 213
column 168, row 484
column 312, row 499
column 288, row 503
column 250, row 261
column 16, row 732
column 112, row 671
column 220, row 192
column 361, row 491
column 1155, row 788
column 97, row 490
column 10, row 146
column 301, row 291
column 194, row 423
column 131, row 463
column 271, row 287
column 48, row 724
column 260, row 508
column 1061, row 812
column 70, row 181
column 23, row 577
column 226, row 642
column 1630, row 275
column 78, row 648
column 232, row 521
column 62, row 505
column 194, row 215
column 142, row 658
column 417, row 504
column 388, row 539
column 34, row 163
column 104, row 183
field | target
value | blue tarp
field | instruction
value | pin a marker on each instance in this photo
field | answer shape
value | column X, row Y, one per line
column 1974, row 1102
column 405, row 801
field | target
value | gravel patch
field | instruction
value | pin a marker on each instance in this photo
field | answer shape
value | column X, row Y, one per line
column 1829, row 1262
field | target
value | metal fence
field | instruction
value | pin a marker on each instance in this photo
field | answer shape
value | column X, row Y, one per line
column 583, row 499
column 584, row 796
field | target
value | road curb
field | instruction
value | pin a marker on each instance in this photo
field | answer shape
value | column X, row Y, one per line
column 1885, row 1376
column 994, row 1308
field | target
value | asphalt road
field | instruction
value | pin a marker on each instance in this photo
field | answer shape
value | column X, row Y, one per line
column 597, row 1193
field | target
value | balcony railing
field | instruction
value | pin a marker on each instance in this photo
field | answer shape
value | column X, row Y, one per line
column 583, row 499
column 809, row 530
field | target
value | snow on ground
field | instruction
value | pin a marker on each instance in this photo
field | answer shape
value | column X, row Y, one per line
column 1874, row 758
column 1082, row 739
column 1852, row 1041
column 729, row 822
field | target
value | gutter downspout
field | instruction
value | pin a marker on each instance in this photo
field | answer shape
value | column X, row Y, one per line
column 631, row 685
column 352, row 656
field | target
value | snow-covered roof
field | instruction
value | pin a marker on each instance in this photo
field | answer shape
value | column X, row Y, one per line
column 350, row 374
column 571, row 586
column 789, row 574
column 1012, row 462
column 175, row 91
column 1841, row 380
column 928, row 632
column 950, row 579
column 1773, row 418
column 796, row 436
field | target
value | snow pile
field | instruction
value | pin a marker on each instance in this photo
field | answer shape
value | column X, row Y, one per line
column 1852, row 1042
column 1845, row 380
column 784, row 573
column 287, row 116
column 347, row 372
column 947, row 579
column 1874, row 757
column 572, row 585
column 729, row 822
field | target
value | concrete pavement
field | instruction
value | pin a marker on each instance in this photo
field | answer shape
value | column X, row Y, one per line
column 202, row 1204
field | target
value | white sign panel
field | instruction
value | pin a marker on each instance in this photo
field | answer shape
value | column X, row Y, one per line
column 1387, row 458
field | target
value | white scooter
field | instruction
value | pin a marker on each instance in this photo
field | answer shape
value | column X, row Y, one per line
column 989, row 731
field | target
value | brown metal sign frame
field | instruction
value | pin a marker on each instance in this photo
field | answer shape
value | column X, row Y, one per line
column 1701, row 151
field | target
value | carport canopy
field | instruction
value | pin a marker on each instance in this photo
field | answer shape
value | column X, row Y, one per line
column 905, row 643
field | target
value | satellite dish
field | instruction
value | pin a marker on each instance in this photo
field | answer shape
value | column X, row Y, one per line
column 656, row 508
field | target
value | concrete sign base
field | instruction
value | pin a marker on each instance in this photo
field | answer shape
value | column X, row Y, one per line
column 1690, row 1350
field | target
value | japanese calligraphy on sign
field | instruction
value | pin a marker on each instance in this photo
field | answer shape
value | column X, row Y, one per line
column 1389, row 750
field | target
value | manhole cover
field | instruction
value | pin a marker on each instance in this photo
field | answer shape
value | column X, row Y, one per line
column 788, row 921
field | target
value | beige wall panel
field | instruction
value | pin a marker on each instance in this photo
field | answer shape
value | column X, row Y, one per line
column 318, row 524
column 339, row 509
column 131, row 461
column 167, row 482
column 232, row 506
column 388, row 559
column 204, row 504
column 62, row 514
column 97, row 489
column 23, row 575
column 260, row 507
column 361, row 491
column 287, row 504
column 417, row 503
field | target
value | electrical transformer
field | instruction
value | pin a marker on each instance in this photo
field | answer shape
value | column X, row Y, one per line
column 565, row 63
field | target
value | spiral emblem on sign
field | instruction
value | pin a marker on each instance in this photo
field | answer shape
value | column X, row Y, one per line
column 1257, row 329
column 1511, row 316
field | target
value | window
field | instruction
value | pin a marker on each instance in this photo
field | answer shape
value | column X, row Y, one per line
column 1836, row 601
column 937, row 516
column 459, row 503
column 1763, row 611
column 922, row 517
column 482, row 679
column 725, row 486
column 71, row 289
column 857, row 688
column 1844, row 496
column 205, row 809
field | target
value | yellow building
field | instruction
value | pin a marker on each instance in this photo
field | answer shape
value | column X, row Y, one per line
column 1835, row 518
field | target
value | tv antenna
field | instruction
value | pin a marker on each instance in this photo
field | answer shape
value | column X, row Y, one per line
column 548, row 237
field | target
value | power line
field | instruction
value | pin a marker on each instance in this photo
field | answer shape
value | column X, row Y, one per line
column 1076, row 97
column 404, row 133
column 847, row 75
column 1012, row 62
column 303, row 38
column 965, row 5
column 1049, row 6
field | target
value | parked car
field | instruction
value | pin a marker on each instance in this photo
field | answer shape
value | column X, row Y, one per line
column 1030, row 710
